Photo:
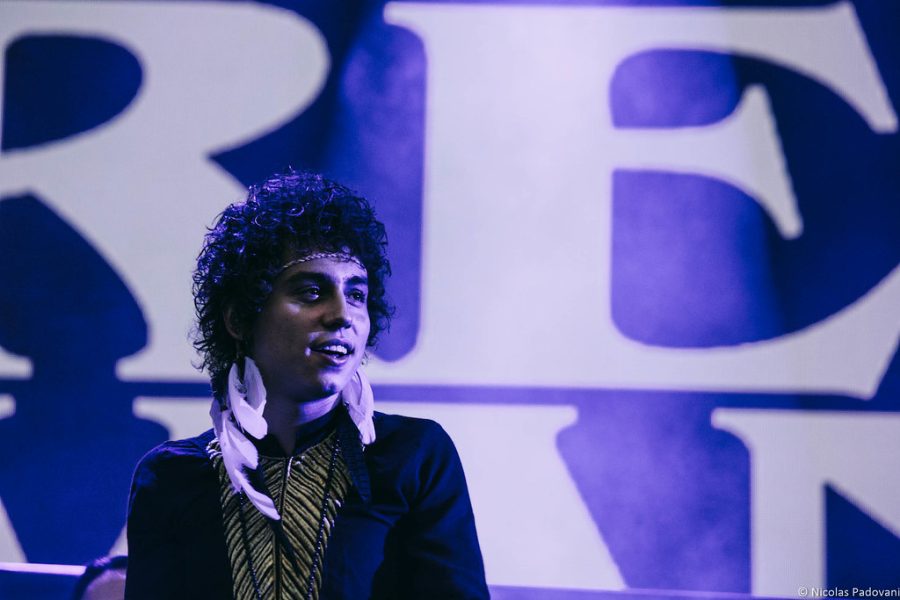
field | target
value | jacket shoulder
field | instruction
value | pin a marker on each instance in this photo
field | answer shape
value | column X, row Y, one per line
column 412, row 428
column 174, row 459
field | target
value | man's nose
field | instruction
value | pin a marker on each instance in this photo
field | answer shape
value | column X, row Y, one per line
column 337, row 315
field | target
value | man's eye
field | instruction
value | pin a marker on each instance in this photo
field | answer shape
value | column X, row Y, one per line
column 358, row 296
column 309, row 293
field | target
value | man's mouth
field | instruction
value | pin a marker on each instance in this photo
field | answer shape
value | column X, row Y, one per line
column 335, row 349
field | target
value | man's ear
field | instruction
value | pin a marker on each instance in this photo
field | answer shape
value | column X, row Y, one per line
column 231, row 323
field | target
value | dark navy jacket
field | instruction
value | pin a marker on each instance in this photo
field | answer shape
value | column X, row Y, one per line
column 410, row 535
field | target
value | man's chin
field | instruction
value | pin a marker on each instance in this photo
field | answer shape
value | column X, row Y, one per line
column 326, row 389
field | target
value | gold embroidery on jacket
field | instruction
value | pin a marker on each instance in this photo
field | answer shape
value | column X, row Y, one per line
column 297, row 485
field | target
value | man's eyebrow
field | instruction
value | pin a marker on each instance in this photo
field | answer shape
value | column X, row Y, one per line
column 307, row 276
column 322, row 278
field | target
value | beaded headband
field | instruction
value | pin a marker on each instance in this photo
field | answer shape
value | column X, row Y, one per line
column 341, row 256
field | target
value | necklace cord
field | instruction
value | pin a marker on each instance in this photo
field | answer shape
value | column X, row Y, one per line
column 246, row 539
column 319, row 537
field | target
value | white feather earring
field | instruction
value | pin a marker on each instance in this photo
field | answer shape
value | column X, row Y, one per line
column 245, row 402
column 360, row 402
column 247, row 398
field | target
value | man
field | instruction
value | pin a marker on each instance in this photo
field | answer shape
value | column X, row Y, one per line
column 301, row 490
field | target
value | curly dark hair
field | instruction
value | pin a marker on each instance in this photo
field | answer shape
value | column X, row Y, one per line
column 289, row 214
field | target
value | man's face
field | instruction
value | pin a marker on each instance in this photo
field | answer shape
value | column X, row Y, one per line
column 311, row 335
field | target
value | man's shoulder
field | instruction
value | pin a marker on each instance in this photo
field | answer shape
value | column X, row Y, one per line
column 412, row 434
column 416, row 457
column 178, row 454
column 390, row 425
column 169, row 480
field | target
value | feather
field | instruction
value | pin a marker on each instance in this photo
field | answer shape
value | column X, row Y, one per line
column 247, row 399
column 239, row 453
column 360, row 402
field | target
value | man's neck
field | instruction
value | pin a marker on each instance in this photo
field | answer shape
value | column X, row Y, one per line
column 285, row 417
